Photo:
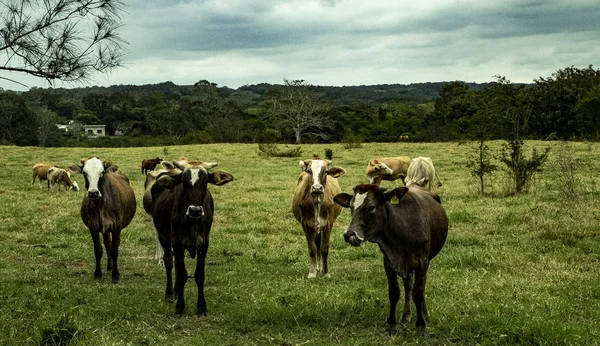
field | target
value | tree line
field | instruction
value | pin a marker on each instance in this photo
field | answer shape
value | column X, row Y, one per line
column 562, row 106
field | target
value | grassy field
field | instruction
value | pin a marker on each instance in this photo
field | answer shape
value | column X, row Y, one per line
column 515, row 269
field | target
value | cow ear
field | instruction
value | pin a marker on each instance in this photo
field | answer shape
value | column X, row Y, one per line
column 336, row 172
column 111, row 169
column 343, row 199
column 396, row 194
column 167, row 181
column 304, row 164
column 219, row 177
column 168, row 165
column 373, row 162
column 74, row 168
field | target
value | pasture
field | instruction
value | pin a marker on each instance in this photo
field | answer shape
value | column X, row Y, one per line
column 515, row 269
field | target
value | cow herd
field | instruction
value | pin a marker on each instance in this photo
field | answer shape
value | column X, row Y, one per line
column 408, row 223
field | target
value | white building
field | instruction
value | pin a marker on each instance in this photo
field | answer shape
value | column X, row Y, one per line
column 95, row 130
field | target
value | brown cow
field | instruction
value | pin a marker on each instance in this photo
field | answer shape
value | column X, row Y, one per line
column 150, row 164
column 314, row 208
column 40, row 171
column 410, row 226
column 59, row 176
column 107, row 207
column 182, row 211
column 421, row 173
column 387, row 168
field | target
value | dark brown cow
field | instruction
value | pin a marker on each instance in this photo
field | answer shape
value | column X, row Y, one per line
column 40, row 171
column 182, row 210
column 150, row 164
column 107, row 208
column 314, row 208
column 410, row 226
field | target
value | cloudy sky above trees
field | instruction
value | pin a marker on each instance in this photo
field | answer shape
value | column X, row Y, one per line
column 351, row 42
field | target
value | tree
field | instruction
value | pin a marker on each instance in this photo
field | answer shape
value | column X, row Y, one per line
column 66, row 40
column 299, row 108
column 16, row 121
column 47, row 132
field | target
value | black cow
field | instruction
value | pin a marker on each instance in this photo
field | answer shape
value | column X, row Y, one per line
column 410, row 226
column 183, row 213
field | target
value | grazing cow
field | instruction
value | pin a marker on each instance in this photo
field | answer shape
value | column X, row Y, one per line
column 147, row 202
column 410, row 226
column 387, row 168
column 404, row 138
column 314, row 208
column 107, row 208
column 150, row 164
column 182, row 211
column 40, row 171
column 421, row 172
column 59, row 176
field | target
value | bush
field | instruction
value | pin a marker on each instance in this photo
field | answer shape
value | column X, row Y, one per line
column 328, row 154
column 272, row 150
column 351, row 141
column 521, row 169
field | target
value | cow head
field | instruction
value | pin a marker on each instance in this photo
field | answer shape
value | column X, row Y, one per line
column 193, row 179
column 93, row 170
column 377, row 169
column 318, row 170
column 368, row 209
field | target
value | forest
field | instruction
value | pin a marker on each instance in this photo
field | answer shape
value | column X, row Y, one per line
column 565, row 105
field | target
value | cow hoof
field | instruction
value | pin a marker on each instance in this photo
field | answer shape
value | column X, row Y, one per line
column 116, row 280
column 312, row 275
column 98, row 276
column 179, row 315
column 391, row 330
column 422, row 332
column 169, row 298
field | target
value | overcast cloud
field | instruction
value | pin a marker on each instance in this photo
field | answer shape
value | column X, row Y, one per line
column 351, row 42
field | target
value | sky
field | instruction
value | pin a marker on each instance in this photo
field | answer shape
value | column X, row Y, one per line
column 349, row 42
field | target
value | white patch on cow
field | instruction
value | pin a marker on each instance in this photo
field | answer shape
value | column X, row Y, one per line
column 386, row 169
column 195, row 177
column 316, row 166
column 75, row 186
column 93, row 169
column 359, row 199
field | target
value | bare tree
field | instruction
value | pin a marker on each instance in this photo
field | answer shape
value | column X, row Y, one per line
column 66, row 40
column 300, row 109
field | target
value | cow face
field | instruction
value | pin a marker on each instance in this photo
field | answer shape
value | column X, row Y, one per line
column 93, row 170
column 318, row 171
column 378, row 169
column 368, row 209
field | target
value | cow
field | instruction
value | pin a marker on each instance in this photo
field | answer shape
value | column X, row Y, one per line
column 150, row 164
column 147, row 203
column 387, row 168
column 421, row 172
column 182, row 212
column 40, row 171
column 410, row 226
column 314, row 208
column 107, row 208
column 58, row 176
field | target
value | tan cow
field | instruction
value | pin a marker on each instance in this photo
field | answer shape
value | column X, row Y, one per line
column 59, row 176
column 421, row 172
column 40, row 171
column 314, row 208
column 387, row 168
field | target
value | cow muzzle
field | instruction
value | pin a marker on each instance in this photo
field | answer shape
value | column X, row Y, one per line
column 317, row 189
column 94, row 194
column 75, row 187
column 353, row 238
column 195, row 212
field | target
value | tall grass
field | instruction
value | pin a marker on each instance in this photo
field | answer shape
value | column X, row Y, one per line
column 515, row 270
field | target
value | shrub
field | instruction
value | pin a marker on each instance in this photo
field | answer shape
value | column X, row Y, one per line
column 521, row 169
column 272, row 150
column 328, row 154
column 351, row 141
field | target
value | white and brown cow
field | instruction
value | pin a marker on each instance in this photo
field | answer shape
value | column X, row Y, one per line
column 387, row 168
column 59, row 176
column 314, row 208
column 40, row 172
column 107, row 207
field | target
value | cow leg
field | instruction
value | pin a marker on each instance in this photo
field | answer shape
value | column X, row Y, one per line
column 408, row 285
column 318, row 241
column 419, row 296
column 168, row 260
column 109, row 260
column 312, row 252
column 159, row 253
column 325, row 235
column 181, row 277
column 114, row 254
column 97, row 253
column 393, row 296
column 199, row 277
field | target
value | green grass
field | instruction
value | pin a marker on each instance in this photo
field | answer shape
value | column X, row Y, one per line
column 515, row 269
